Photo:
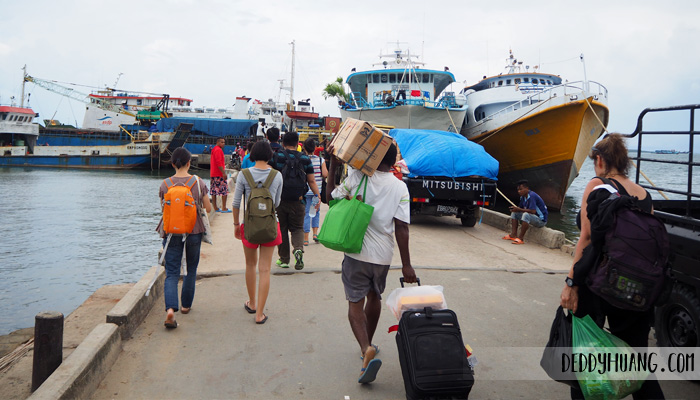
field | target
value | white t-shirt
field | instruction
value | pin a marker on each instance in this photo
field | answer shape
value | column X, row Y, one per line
column 389, row 197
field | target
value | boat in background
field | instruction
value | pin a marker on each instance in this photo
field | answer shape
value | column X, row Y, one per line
column 538, row 127
column 403, row 95
column 19, row 146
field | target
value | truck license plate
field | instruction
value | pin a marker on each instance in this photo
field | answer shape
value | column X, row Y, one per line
column 447, row 209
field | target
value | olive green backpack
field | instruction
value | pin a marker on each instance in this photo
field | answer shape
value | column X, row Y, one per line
column 259, row 213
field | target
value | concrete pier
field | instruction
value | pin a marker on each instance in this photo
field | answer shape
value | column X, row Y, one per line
column 505, row 296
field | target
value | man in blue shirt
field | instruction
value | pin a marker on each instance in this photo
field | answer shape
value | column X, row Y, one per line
column 531, row 210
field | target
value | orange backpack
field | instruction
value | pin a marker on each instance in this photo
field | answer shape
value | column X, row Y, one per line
column 179, row 208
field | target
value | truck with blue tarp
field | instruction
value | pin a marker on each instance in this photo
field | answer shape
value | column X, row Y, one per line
column 447, row 174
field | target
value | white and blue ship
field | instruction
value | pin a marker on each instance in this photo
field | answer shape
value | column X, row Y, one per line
column 402, row 94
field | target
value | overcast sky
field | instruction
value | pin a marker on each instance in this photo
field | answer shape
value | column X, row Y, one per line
column 644, row 52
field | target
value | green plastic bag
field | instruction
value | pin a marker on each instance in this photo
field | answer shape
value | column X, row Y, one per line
column 346, row 222
column 596, row 346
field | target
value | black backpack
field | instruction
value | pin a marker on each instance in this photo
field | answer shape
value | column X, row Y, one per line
column 633, row 271
column 294, row 179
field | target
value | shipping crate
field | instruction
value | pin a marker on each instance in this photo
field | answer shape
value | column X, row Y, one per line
column 361, row 145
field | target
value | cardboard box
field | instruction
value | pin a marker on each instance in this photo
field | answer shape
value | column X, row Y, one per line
column 361, row 145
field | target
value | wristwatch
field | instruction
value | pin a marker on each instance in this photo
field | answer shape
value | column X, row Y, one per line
column 569, row 282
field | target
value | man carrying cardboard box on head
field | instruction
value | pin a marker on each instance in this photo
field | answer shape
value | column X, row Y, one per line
column 364, row 274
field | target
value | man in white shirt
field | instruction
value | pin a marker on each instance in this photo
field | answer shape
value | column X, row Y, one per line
column 364, row 274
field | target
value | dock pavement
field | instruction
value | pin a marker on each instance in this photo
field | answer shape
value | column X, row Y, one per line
column 504, row 295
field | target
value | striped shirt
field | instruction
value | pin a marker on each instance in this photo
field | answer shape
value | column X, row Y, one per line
column 317, row 161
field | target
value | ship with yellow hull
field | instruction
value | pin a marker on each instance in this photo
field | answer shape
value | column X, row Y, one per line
column 537, row 127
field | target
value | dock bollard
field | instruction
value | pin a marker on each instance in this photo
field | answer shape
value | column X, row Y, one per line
column 48, row 346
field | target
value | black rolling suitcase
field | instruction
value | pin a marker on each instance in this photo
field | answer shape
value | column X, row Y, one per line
column 432, row 355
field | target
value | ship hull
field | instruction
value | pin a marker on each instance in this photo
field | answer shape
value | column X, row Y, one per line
column 547, row 148
column 410, row 117
column 85, row 162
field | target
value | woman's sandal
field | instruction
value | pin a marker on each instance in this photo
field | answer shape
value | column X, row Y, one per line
column 247, row 307
column 316, row 238
column 518, row 241
column 306, row 242
column 185, row 310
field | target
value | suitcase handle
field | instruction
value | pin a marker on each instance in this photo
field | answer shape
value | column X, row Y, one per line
column 402, row 281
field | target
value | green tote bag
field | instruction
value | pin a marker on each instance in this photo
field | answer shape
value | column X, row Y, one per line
column 346, row 222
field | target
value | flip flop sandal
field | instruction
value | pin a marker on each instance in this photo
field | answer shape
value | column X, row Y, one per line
column 306, row 242
column 170, row 324
column 185, row 310
column 262, row 321
column 369, row 374
column 247, row 308
column 508, row 237
column 518, row 241
column 376, row 351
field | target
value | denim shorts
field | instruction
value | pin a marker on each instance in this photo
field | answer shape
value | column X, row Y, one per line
column 359, row 277
column 531, row 219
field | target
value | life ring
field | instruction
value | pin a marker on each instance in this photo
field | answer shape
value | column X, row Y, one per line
column 332, row 123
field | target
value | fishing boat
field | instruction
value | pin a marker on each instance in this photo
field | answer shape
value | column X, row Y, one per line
column 20, row 145
column 399, row 92
column 539, row 127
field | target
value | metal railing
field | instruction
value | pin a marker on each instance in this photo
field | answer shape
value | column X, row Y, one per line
column 640, row 133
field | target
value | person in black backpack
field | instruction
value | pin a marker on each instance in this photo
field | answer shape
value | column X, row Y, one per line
column 611, row 161
column 298, row 176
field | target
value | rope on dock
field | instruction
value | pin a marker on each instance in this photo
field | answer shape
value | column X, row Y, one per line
column 11, row 358
column 635, row 165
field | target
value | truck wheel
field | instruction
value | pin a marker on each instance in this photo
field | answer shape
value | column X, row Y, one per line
column 468, row 221
column 678, row 320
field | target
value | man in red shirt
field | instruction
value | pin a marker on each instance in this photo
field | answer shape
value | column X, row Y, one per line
column 219, row 186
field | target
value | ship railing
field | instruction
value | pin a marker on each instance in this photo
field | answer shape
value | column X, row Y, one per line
column 575, row 91
column 674, row 113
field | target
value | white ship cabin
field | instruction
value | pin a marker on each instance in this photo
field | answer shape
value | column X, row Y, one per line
column 389, row 87
column 498, row 92
column 17, row 130
column 136, row 102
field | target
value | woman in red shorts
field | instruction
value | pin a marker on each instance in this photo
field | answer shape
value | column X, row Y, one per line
column 254, row 253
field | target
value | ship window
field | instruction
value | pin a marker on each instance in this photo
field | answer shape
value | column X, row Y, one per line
column 549, row 82
column 427, row 78
column 375, row 78
column 542, row 81
column 517, row 81
column 500, row 83
column 419, row 77
column 138, row 102
column 384, row 78
column 507, row 81
column 526, row 80
column 392, row 78
column 3, row 116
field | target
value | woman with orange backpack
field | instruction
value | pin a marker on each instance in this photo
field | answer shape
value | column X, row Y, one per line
column 180, row 196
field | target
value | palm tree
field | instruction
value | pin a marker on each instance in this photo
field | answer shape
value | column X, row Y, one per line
column 335, row 89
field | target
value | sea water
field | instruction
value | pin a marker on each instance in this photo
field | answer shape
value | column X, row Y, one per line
column 66, row 233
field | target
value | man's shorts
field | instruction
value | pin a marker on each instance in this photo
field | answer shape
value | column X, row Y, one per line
column 276, row 242
column 531, row 219
column 219, row 186
column 359, row 277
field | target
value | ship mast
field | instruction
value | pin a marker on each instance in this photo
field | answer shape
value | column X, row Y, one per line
column 291, row 84
column 21, row 102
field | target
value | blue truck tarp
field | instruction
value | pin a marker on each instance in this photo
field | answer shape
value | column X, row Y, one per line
column 440, row 153
column 217, row 127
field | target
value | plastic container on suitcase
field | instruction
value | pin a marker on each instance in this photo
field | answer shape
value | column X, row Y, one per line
column 432, row 355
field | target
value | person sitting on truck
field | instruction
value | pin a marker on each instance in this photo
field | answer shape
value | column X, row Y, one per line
column 364, row 274
column 531, row 210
